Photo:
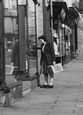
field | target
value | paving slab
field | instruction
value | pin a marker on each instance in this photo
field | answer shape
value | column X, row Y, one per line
column 66, row 98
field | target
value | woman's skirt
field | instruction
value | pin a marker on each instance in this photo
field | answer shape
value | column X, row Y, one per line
column 44, row 69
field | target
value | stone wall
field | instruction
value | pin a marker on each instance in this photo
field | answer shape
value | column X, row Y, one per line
column 80, row 39
column 80, row 44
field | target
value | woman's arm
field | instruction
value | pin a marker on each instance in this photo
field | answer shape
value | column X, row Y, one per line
column 52, row 52
column 13, row 54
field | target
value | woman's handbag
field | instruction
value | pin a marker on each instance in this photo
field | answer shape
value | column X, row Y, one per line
column 55, row 68
column 58, row 67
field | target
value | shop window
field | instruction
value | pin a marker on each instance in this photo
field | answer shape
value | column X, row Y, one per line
column 31, row 39
column 27, row 46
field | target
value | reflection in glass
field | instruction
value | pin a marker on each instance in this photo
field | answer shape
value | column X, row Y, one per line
column 10, row 31
column 32, row 39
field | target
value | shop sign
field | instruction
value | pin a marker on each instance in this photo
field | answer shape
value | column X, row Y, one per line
column 63, row 14
column 21, row 2
column 81, row 5
column 75, row 4
column 46, row 2
column 10, row 4
column 56, row 0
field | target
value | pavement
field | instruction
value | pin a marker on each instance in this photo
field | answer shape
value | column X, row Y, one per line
column 66, row 98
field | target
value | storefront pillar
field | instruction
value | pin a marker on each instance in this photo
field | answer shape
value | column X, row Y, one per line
column 59, row 14
column 2, row 49
column 60, row 39
column 46, row 21
column 37, row 70
column 21, row 38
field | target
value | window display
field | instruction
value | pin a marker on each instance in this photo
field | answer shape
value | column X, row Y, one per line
column 12, row 27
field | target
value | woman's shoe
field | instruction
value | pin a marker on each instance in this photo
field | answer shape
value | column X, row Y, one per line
column 44, row 86
column 50, row 86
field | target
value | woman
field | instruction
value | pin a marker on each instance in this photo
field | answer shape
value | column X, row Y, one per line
column 47, row 59
column 55, row 38
column 15, row 59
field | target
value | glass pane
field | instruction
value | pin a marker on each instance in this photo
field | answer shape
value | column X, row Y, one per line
column 10, row 33
column 10, row 25
column 32, row 39
column 10, row 7
column 11, row 52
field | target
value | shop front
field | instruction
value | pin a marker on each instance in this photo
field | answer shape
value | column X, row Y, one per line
column 64, row 24
column 60, row 11
column 20, row 21
column 20, row 27
column 71, row 22
column 19, row 48
column 54, row 14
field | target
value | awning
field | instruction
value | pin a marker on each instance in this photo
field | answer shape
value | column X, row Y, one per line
column 59, row 9
column 81, row 6
column 71, row 17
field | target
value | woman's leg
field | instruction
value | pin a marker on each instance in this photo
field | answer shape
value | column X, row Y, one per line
column 51, row 81
column 46, row 79
column 51, row 76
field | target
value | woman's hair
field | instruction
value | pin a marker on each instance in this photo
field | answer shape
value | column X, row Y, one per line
column 16, row 38
column 43, row 38
column 55, row 40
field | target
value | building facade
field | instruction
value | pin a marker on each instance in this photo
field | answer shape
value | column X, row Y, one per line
column 27, row 21
column 64, row 23
column 80, row 32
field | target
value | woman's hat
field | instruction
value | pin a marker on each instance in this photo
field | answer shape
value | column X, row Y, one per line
column 55, row 35
column 43, row 37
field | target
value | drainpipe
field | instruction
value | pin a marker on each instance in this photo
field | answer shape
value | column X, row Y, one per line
column 51, row 16
column 27, row 37
column 3, row 49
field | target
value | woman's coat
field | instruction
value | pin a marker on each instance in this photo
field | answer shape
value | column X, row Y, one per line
column 48, row 54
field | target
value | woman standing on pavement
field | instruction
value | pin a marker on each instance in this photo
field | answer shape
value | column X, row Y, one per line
column 47, row 59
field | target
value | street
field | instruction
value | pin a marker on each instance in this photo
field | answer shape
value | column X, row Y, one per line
column 66, row 98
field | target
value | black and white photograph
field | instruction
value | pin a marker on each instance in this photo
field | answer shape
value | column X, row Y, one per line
column 41, row 57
